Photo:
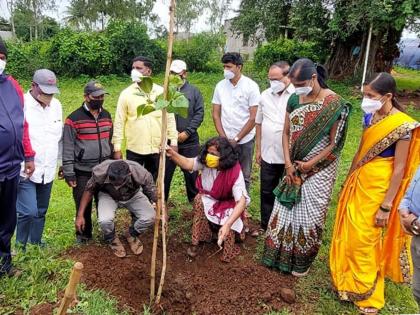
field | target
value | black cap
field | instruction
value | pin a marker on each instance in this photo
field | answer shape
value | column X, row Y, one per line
column 95, row 89
column 3, row 48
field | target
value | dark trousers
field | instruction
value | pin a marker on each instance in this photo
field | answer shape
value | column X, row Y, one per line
column 191, row 151
column 8, row 195
column 81, row 179
column 246, row 154
column 149, row 161
column 270, row 175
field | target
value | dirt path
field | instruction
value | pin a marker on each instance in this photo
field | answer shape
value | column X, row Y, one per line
column 202, row 286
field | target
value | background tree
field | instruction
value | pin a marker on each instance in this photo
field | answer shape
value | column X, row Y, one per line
column 187, row 13
column 219, row 9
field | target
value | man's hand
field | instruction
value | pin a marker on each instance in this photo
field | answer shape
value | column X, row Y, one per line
column 174, row 147
column 29, row 168
column 406, row 218
column 71, row 183
column 233, row 142
column 117, row 155
column 80, row 224
column 182, row 136
column 258, row 157
column 60, row 173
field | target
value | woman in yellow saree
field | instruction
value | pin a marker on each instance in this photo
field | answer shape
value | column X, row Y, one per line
column 368, row 243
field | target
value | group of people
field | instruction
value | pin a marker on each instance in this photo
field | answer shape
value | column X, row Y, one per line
column 298, row 127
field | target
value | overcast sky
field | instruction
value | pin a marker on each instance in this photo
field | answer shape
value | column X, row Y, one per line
column 160, row 8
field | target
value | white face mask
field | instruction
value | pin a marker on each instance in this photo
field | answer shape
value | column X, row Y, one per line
column 304, row 90
column 136, row 75
column 229, row 75
column 2, row 65
column 277, row 86
column 370, row 106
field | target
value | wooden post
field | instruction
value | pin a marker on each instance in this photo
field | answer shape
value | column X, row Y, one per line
column 70, row 293
column 366, row 56
column 161, row 213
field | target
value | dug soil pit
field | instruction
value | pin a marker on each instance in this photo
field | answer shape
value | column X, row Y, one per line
column 204, row 285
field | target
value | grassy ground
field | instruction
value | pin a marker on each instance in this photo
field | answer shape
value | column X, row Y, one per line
column 408, row 79
column 45, row 274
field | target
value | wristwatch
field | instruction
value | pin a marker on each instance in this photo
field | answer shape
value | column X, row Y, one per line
column 236, row 139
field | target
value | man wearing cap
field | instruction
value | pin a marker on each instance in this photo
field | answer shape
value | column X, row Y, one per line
column 15, row 147
column 143, row 134
column 44, row 115
column 86, row 143
column 120, row 184
column 188, row 140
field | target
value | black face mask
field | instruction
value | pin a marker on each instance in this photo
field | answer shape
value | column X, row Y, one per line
column 95, row 104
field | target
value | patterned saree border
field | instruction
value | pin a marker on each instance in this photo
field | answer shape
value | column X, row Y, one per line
column 387, row 141
column 356, row 297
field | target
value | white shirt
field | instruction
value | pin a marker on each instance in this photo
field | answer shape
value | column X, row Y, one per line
column 45, row 131
column 208, row 176
column 271, row 114
column 235, row 101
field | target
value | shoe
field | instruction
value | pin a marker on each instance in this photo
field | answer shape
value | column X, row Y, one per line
column 14, row 273
column 300, row 274
column 80, row 239
column 136, row 245
column 117, row 248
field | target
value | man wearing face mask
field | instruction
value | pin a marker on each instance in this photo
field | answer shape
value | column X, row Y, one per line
column 86, row 143
column 120, row 184
column 235, row 103
column 143, row 134
column 44, row 115
column 15, row 147
column 188, row 141
column 269, row 129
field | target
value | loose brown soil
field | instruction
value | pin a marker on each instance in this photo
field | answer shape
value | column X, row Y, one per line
column 204, row 285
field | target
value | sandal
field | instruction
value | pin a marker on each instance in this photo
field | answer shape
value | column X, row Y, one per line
column 257, row 232
column 300, row 274
column 117, row 248
column 192, row 251
column 136, row 245
column 367, row 310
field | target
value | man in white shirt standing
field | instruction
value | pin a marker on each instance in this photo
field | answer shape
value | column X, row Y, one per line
column 269, row 126
column 235, row 103
column 44, row 115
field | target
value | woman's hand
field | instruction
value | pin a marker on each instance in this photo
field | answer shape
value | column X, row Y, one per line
column 223, row 232
column 382, row 218
column 303, row 167
column 290, row 172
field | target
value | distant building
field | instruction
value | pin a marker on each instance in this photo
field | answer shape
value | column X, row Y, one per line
column 5, row 35
column 236, row 43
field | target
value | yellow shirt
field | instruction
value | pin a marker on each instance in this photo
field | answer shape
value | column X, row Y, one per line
column 143, row 134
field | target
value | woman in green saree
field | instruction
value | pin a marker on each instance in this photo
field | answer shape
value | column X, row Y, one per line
column 314, row 134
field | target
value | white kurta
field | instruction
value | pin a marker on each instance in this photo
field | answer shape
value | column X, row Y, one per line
column 208, row 176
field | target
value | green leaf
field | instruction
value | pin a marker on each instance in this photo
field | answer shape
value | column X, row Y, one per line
column 146, row 84
column 179, row 106
column 161, row 103
column 145, row 109
column 175, row 80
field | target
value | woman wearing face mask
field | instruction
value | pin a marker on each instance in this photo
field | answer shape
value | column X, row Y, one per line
column 222, row 198
column 313, row 137
column 368, row 243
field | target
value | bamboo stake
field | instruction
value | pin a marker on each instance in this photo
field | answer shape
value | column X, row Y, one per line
column 367, row 55
column 161, row 213
column 70, row 293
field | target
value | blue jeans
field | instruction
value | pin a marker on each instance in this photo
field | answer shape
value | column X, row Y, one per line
column 32, row 204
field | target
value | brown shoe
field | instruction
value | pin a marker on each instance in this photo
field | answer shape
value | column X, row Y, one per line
column 117, row 248
column 135, row 244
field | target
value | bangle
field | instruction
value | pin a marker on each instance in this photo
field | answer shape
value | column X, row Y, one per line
column 289, row 166
column 384, row 209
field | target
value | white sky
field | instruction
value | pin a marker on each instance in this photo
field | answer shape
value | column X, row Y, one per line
column 160, row 8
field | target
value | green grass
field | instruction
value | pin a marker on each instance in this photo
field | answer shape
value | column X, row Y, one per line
column 407, row 79
column 46, row 274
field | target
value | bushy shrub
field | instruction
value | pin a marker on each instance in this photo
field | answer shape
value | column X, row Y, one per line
column 286, row 49
column 24, row 58
column 75, row 53
column 201, row 52
column 128, row 40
